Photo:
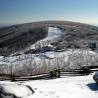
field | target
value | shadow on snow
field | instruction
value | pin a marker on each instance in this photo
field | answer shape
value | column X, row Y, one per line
column 93, row 86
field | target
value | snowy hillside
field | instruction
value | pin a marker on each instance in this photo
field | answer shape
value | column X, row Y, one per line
column 45, row 61
column 19, row 37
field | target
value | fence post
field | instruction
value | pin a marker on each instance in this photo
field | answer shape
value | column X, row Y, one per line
column 51, row 74
column 12, row 78
column 55, row 74
column 85, row 70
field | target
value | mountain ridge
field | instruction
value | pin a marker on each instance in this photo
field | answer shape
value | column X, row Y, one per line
column 17, row 37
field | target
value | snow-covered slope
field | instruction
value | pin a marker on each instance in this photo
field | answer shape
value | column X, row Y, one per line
column 53, row 34
column 66, row 87
column 70, row 87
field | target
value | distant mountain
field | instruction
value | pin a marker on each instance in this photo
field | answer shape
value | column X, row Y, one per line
column 3, row 26
column 20, row 37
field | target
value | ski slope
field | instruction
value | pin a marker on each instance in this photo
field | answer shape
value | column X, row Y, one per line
column 53, row 34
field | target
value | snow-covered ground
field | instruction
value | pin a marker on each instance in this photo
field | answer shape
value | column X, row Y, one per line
column 69, row 87
column 66, row 87
column 18, row 90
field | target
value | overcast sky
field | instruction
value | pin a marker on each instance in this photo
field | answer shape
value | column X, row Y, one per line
column 23, row 11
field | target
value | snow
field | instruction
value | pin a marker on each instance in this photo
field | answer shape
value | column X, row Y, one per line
column 53, row 33
column 18, row 90
column 65, row 87
column 48, row 61
column 70, row 87
column 50, row 56
column 37, row 57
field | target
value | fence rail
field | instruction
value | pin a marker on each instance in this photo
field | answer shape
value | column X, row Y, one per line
column 23, row 78
column 52, row 74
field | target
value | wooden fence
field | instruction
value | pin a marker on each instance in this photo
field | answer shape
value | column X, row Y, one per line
column 51, row 75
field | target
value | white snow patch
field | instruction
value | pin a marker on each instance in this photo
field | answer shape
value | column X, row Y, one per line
column 70, row 87
column 18, row 90
column 67, row 87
